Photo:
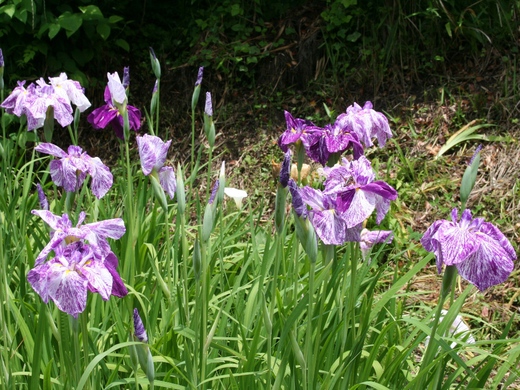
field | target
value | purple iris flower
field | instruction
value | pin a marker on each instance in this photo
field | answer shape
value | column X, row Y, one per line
column 112, row 112
column 330, row 224
column 1, row 59
column 35, row 101
column 297, row 130
column 70, row 170
column 332, row 139
column 152, row 152
column 75, row 269
column 482, row 254
column 15, row 102
column 366, row 123
column 357, row 192
column 95, row 233
column 370, row 238
column 70, row 90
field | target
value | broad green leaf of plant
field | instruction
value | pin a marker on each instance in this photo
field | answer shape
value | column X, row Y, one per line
column 465, row 134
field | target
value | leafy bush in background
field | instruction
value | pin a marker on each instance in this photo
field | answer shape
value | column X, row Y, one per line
column 242, row 39
column 53, row 37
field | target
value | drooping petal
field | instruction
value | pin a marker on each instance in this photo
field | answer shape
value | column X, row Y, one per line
column 329, row 226
column 118, row 286
column 495, row 234
column 314, row 198
column 64, row 174
column 361, row 206
column 66, row 288
column 37, row 277
column 102, row 178
column 298, row 205
column 489, row 266
column 102, row 116
column 98, row 276
column 168, row 181
column 370, row 238
column 134, row 117
column 152, row 152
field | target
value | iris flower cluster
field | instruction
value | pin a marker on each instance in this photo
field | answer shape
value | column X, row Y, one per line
column 35, row 100
column 350, row 192
column 350, row 196
column 353, row 129
column 82, row 261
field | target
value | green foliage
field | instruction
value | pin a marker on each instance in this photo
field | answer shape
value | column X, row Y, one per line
column 418, row 36
column 55, row 36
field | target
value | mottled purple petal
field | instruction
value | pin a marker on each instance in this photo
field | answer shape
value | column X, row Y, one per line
column 68, row 290
column 134, row 117
column 361, row 206
column 314, row 198
column 370, row 238
column 168, row 181
column 102, row 178
column 51, row 149
column 495, row 234
column 329, row 226
column 139, row 330
column 152, row 152
column 98, row 277
column 44, row 203
column 113, row 228
column 382, row 189
column 382, row 207
column 64, row 174
column 489, row 266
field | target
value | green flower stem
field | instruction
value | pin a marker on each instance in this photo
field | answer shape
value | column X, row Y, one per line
column 73, row 137
column 84, row 336
column 129, row 211
column 308, row 339
column 203, row 332
column 448, row 280
column 39, row 340
column 192, row 140
column 76, row 348
column 208, row 183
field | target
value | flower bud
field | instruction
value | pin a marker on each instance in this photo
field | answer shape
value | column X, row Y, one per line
column 181, row 194
column 156, row 65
